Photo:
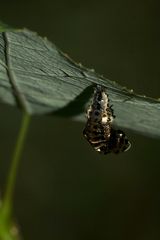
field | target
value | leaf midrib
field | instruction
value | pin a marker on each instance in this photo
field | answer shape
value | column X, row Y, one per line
column 19, row 96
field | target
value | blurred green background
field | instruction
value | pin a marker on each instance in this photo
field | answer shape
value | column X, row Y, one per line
column 64, row 189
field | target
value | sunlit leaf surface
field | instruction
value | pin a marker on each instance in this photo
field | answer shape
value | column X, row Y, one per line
column 37, row 77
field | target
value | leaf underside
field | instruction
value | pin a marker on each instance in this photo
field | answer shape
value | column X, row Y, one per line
column 37, row 77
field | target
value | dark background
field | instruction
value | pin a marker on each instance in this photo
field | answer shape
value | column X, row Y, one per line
column 64, row 189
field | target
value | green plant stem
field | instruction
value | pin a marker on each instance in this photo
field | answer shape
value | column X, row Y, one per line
column 10, row 186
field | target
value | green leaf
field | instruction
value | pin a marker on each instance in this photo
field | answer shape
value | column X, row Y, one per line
column 36, row 76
